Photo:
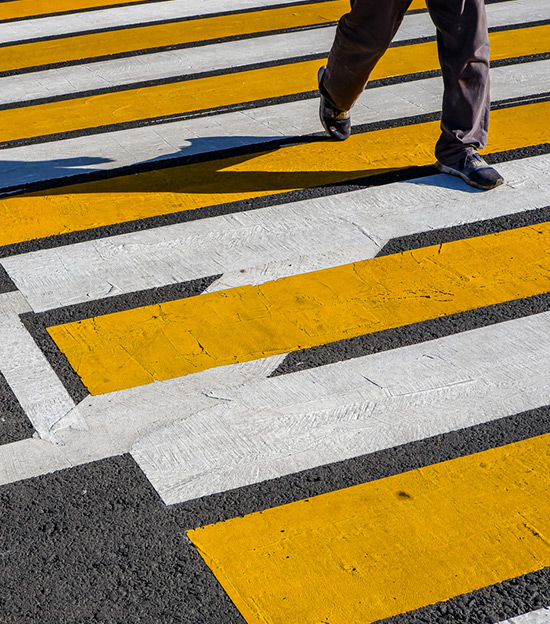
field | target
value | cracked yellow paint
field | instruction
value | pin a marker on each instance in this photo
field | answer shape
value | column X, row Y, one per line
column 143, row 37
column 17, row 9
column 386, row 547
column 159, row 342
column 130, row 105
column 188, row 187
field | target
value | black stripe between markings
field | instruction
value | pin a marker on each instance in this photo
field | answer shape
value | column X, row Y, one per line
column 466, row 230
column 408, row 335
column 6, row 283
column 37, row 323
column 14, row 424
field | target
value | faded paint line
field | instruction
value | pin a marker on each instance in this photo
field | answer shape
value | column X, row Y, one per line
column 130, row 105
column 126, row 349
column 379, row 549
column 189, row 187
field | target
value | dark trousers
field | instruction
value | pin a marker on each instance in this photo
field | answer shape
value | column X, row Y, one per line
column 364, row 34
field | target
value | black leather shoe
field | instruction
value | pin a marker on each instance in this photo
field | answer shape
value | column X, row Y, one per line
column 474, row 171
column 335, row 121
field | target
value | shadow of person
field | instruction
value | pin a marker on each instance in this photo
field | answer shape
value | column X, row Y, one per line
column 21, row 172
column 259, row 172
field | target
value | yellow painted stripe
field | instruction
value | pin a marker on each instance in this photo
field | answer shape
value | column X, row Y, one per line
column 224, row 90
column 154, row 36
column 390, row 546
column 158, row 342
column 17, row 9
column 189, row 187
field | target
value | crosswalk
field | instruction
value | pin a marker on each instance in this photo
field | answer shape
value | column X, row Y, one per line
column 248, row 374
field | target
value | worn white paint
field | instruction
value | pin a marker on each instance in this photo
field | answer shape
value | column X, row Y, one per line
column 37, row 388
column 114, row 422
column 123, row 16
column 106, row 74
column 282, row 425
column 541, row 616
column 269, row 243
column 60, row 159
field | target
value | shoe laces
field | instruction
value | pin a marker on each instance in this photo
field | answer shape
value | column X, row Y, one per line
column 475, row 161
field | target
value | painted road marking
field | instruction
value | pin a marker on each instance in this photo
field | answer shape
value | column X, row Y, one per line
column 270, row 428
column 202, row 94
column 117, row 17
column 22, row 9
column 46, row 161
column 29, row 374
column 174, row 65
column 127, row 349
column 87, row 46
column 211, row 183
column 217, row 57
column 386, row 547
column 541, row 616
column 268, row 243
column 301, row 421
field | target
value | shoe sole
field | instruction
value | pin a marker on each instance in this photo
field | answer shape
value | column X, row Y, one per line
column 445, row 169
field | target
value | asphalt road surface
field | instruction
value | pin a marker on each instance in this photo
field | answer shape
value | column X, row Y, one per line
column 251, row 375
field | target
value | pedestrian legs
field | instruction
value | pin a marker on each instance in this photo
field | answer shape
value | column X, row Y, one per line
column 463, row 47
column 362, row 37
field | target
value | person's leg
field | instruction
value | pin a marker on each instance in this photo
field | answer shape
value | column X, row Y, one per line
column 362, row 37
column 463, row 46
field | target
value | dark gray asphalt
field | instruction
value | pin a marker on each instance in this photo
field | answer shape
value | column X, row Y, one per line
column 95, row 543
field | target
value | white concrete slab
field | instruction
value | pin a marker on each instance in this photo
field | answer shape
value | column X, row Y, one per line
column 60, row 159
column 216, row 57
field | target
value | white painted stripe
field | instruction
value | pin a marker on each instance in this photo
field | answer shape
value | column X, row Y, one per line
column 37, row 388
column 56, row 160
column 542, row 616
column 67, row 80
column 110, row 18
column 116, row 421
column 269, row 243
column 220, row 429
column 283, row 425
